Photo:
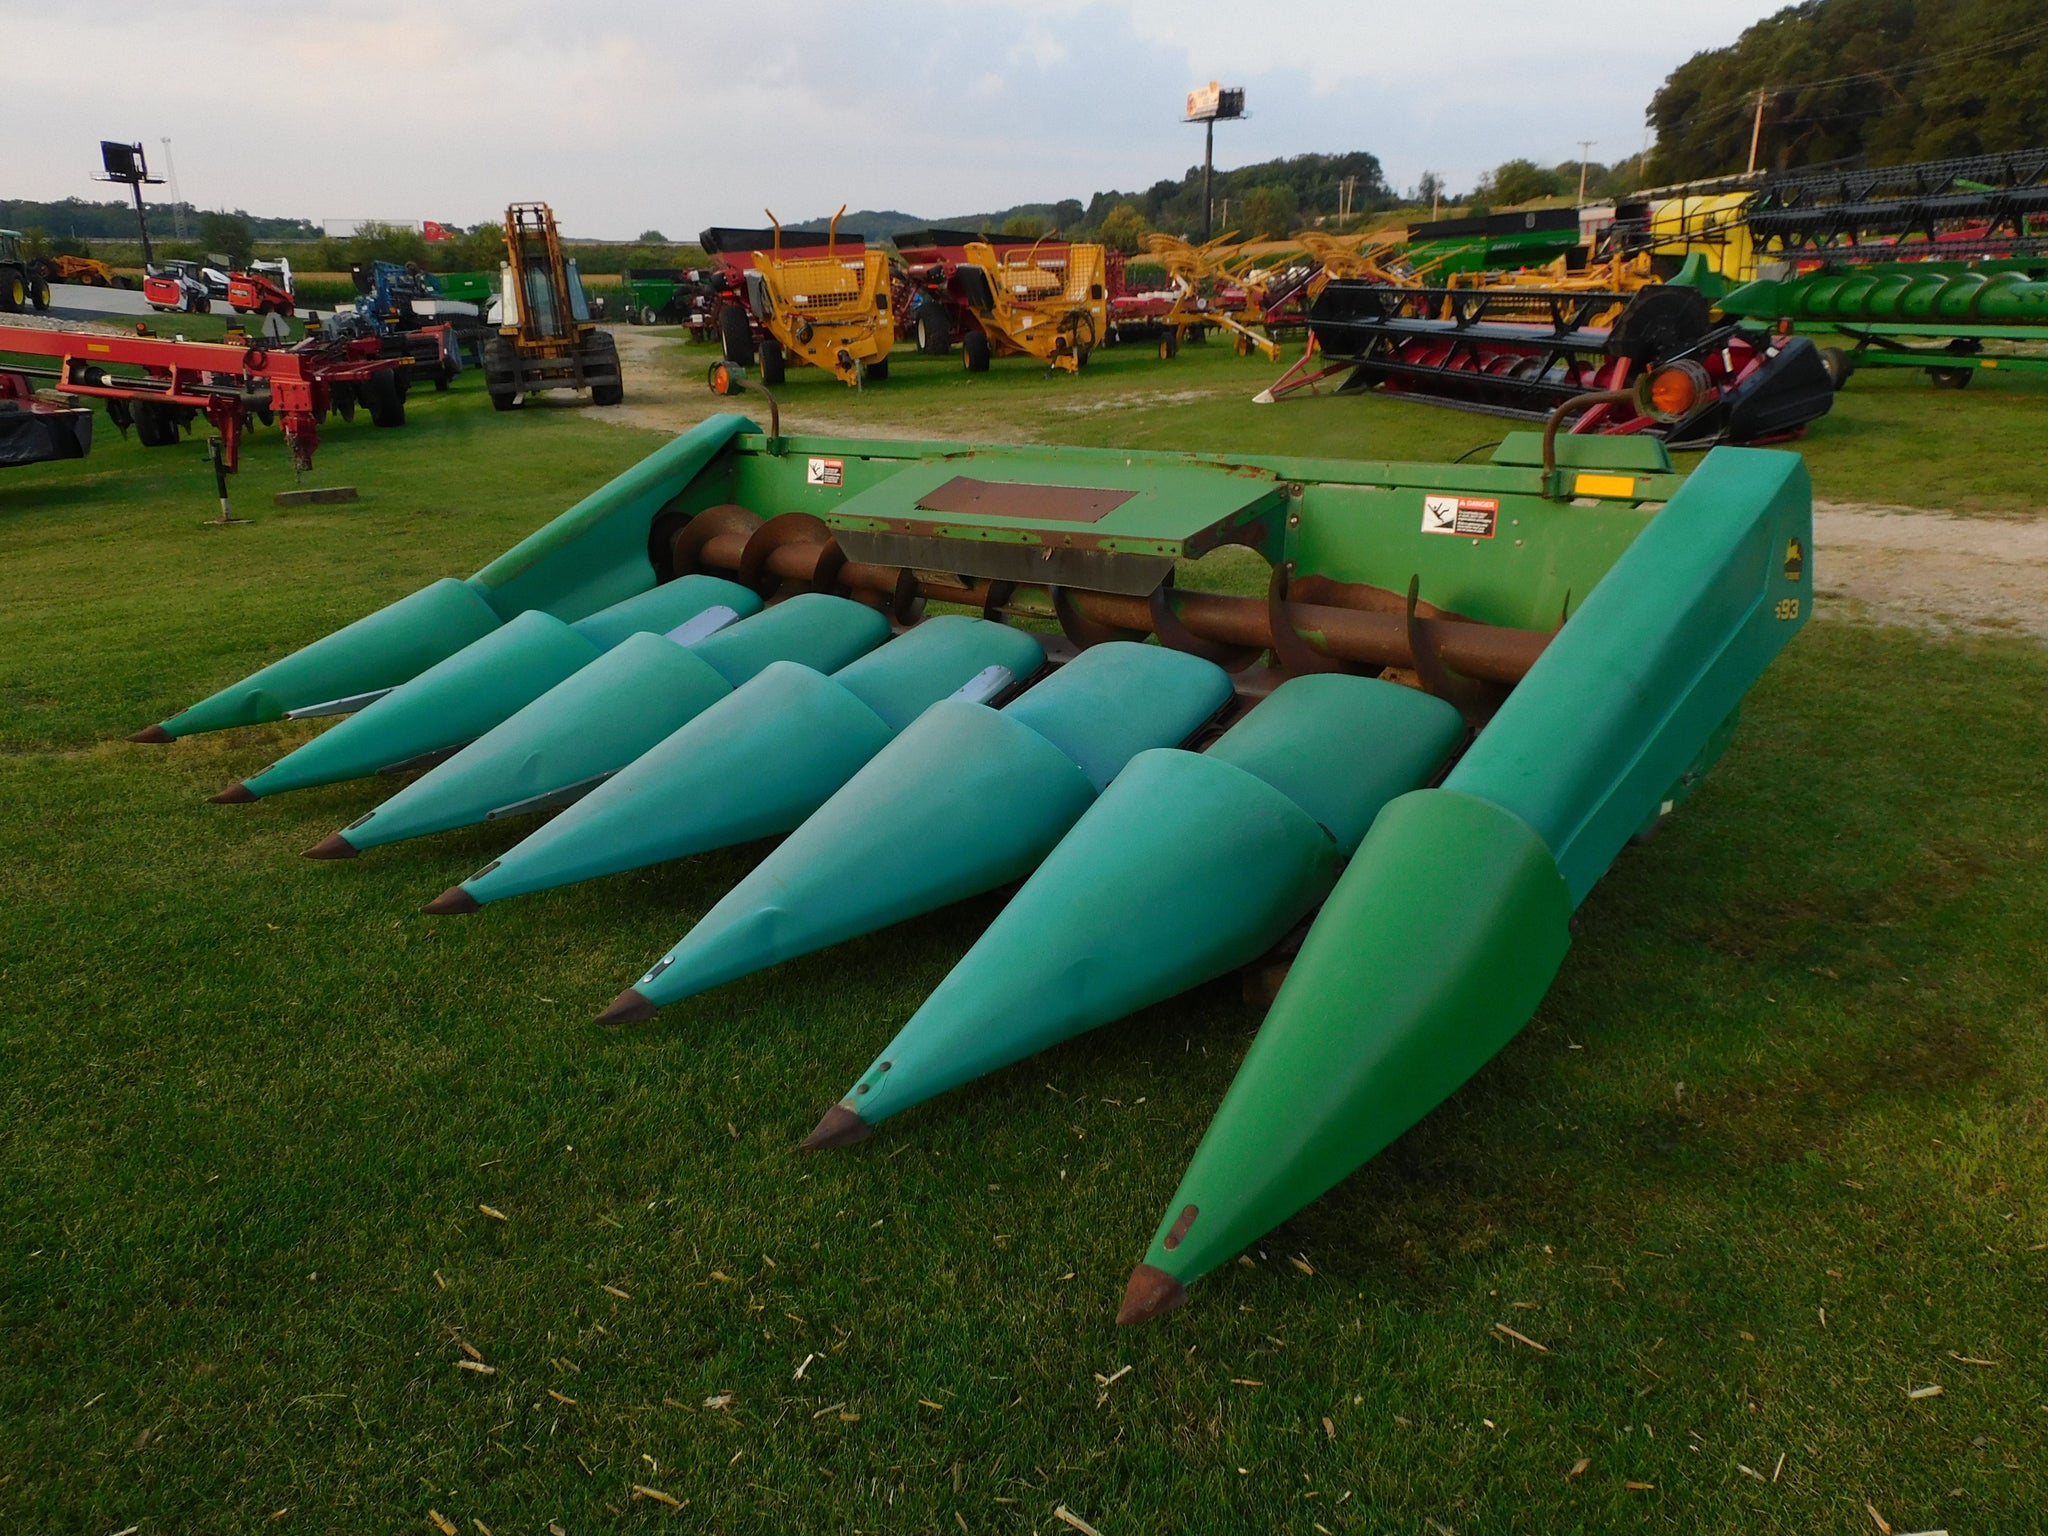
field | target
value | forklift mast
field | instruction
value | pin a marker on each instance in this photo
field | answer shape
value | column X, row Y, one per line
column 544, row 301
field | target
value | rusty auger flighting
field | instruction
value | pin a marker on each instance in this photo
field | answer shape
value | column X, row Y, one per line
column 1505, row 669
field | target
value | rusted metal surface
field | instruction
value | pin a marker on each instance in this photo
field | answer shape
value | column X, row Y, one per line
column 1295, row 655
column 1019, row 501
column 1312, row 624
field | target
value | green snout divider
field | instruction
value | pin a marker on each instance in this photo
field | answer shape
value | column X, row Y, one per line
column 484, row 684
column 1189, row 866
column 966, row 799
column 1433, row 950
column 754, row 764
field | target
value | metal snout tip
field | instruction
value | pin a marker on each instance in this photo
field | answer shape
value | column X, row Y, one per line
column 1150, row 1293
column 236, row 793
column 154, row 735
column 452, row 902
column 333, row 846
column 629, row 1007
column 841, row 1127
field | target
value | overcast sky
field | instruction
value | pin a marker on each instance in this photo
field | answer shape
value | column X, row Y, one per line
column 635, row 114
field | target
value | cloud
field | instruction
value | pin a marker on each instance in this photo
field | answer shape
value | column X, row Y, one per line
column 643, row 112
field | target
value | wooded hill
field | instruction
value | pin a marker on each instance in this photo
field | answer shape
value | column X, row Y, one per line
column 1882, row 81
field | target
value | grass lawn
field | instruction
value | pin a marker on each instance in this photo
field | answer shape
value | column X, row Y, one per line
column 1770, row 1161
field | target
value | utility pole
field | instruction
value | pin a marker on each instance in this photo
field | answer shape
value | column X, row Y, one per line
column 1756, row 132
column 1585, row 149
column 177, row 202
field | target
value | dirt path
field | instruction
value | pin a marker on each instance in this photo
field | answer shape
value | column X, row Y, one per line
column 1951, row 575
column 1885, row 565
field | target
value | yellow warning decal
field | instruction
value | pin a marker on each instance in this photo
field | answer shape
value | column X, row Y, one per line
column 97, row 346
column 1604, row 485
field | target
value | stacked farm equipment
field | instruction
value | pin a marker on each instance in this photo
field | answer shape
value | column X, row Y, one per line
column 1941, row 265
column 1466, row 689
column 1206, row 290
column 1005, row 296
column 546, row 338
column 407, row 311
column 1286, row 288
column 797, row 299
column 1981, row 206
column 1609, row 362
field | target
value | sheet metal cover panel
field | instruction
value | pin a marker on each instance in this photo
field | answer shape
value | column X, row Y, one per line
column 1172, row 510
column 1015, row 501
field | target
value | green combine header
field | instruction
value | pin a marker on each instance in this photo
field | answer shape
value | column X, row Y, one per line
column 1950, row 318
column 1460, row 694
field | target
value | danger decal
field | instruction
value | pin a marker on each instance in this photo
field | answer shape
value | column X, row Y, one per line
column 1472, row 517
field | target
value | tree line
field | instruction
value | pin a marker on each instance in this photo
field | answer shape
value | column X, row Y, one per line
column 1880, row 81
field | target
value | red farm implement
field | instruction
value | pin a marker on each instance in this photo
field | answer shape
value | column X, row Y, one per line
column 167, row 382
column 1609, row 362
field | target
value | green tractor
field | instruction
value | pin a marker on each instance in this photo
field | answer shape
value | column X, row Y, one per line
column 21, row 285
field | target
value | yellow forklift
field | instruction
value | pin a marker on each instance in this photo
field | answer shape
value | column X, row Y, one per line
column 545, row 337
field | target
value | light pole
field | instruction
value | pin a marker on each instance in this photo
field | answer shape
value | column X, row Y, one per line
column 177, row 202
column 1585, row 149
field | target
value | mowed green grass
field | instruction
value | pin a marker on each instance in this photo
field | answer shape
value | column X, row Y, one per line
column 1768, row 1162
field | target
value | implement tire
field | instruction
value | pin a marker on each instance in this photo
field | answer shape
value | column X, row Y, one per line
column 974, row 348
column 934, row 330
column 736, row 335
column 378, row 394
column 774, row 365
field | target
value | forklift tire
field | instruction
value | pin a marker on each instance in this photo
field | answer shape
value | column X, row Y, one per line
column 503, row 399
column 736, row 336
column 934, row 331
column 774, row 366
column 39, row 293
column 13, row 291
column 379, row 395
column 876, row 372
column 974, row 347
column 1169, row 345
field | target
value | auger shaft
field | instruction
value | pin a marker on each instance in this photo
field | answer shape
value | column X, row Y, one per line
column 1373, row 638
